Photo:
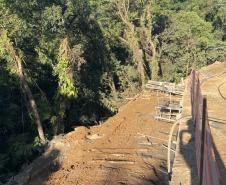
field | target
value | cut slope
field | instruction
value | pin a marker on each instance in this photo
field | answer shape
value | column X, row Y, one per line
column 128, row 148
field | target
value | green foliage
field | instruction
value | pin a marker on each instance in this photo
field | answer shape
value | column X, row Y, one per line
column 64, row 72
column 3, row 40
column 187, row 43
column 5, row 44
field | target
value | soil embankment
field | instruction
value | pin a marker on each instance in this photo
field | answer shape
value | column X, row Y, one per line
column 129, row 148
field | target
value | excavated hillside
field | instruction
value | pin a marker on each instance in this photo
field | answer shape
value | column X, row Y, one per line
column 129, row 148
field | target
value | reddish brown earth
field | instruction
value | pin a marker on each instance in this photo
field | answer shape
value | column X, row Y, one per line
column 126, row 149
column 129, row 148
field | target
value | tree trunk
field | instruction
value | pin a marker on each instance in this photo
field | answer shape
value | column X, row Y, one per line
column 147, row 42
column 141, row 68
column 64, row 106
column 31, row 99
column 131, row 37
column 149, row 50
column 26, row 89
column 133, row 43
column 113, row 88
column 154, row 63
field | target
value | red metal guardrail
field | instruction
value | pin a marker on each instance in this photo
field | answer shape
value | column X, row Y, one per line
column 208, row 170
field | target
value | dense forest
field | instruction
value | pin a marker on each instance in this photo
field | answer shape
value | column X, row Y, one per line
column 67, row 63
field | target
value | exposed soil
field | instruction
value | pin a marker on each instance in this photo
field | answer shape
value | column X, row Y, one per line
column 128, row 148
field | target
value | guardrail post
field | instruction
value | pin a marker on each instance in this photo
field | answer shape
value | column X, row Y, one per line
column 203, row 132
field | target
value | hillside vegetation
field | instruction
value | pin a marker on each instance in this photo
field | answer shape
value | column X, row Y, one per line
column 66, row 63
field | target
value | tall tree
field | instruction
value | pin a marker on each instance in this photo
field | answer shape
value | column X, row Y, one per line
column 130, row 36
column 8, row 52
column 67, row 71
column 146, row 38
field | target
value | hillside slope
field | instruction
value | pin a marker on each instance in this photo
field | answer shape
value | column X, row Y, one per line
column 128, row 148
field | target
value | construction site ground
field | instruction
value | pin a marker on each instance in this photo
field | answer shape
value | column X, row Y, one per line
column 130, row 148
column 213, row 85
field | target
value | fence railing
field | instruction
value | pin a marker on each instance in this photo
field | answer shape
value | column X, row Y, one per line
column 206, row 162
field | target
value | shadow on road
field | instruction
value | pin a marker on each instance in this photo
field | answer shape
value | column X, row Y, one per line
column 187, row 149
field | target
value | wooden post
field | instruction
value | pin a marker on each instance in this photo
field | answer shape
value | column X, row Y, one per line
column 203, row 132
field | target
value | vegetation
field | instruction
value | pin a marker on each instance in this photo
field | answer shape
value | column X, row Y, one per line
column 65, row 63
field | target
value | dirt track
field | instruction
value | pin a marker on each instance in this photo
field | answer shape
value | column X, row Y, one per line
column 127, row 149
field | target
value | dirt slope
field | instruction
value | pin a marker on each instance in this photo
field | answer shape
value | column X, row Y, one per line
column 127, row 149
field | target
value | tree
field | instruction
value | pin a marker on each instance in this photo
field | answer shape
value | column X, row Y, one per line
column 130, row 36
column 187, row 43
column 67, row 70
column 8, row 52
column 137, row 18
column 146, row 39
